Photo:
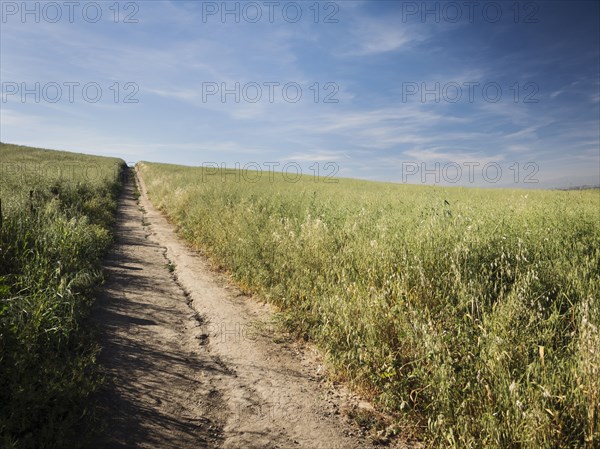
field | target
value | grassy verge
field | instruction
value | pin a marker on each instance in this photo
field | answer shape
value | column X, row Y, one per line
column 57, row 212
column 471, row 315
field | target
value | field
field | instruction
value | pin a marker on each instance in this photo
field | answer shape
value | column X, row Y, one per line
column 57, row 210
column 470, row 315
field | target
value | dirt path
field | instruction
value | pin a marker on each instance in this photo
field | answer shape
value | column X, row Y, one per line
column 196, row 364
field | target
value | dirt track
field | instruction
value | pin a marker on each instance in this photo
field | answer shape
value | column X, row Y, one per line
column 194, row 363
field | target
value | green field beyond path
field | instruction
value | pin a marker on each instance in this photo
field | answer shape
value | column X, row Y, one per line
column 472, row 315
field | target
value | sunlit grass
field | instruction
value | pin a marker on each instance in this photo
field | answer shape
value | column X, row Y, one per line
column 470, row 314
column 57, row 213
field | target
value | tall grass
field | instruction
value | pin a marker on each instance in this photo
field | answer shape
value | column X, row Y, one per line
column 472, row 315
column 58, row 209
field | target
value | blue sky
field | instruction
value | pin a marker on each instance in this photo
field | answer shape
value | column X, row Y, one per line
column 408, row 85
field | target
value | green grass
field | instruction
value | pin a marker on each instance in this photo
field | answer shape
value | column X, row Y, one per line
column 471, row 315
column 57, row 212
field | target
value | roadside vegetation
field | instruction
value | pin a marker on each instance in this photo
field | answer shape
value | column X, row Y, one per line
column 471, row 315
column 57, row 213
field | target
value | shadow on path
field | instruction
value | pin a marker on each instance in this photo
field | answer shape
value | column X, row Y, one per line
column 158, row 392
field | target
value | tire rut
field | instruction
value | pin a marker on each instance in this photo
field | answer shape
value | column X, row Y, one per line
column 159, row 392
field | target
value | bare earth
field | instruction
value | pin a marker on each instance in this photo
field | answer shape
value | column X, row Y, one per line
column 194, row 363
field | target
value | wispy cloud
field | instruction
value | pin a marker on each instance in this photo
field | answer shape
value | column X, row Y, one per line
column 374, row 38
